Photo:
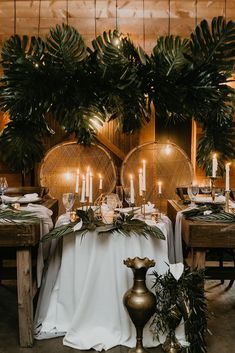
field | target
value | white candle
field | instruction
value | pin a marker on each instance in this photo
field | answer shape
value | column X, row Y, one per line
column 140, row 182
column 101, row 182
column 83, row 189
column 132, row 191
column 214, row 165
column 77, row 181
column 159, row 187
column 144, row 176
column 90, row 189
column 227, row 170
column 87, row 181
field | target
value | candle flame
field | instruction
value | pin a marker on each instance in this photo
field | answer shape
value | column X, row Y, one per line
column 131, row 176
column 140, row 171
column 78, row 171
column 214, row 155
column 159, row 183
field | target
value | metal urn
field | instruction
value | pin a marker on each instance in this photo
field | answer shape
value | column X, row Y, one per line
column 172, row 345
column 138, row 300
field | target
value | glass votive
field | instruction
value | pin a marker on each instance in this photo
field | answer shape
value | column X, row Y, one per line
column 73, row 216
column 107, row 217
column 15, row 205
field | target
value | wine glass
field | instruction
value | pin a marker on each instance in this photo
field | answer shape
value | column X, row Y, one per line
column 206, row 187
column 193, row 190
column 127, row 196
column 3, row 187
column 112, row 201
column 68, row 201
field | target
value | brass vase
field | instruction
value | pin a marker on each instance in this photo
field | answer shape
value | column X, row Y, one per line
column 172, row 345
column 138, row 300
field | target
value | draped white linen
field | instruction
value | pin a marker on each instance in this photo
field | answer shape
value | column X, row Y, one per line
column 81, row 296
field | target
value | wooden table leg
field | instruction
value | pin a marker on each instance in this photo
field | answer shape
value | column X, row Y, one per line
column 25, row 296
column 198, row 258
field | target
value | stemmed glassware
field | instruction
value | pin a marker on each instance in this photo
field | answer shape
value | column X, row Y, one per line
column 3, row 187
column 127, row 196
column 193, row 190
column 68, row 201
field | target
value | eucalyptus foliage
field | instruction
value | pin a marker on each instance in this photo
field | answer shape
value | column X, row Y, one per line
column 187, row 296
column 84, row 87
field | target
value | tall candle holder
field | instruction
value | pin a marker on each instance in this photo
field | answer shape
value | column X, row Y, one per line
column 159, row 196
column 213, row 179
column 143, row 201
column 227, row 194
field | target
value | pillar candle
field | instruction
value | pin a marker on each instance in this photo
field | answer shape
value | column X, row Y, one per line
column 144, row 176
column 77, row 181
column 83, row 189
column 214, row 165
column 90, row 189
column 87, row 181
column 140, row 182
column 100, row 182
column 132, row 191
column 227, row 170
column 159, row 187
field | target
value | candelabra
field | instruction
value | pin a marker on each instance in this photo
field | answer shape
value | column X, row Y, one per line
column 227, row 193
column 213, row 179
column 143, row 200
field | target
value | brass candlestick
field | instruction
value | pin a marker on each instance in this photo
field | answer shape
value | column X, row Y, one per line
column 213, row 179
column 143, row 203
column 227, row 193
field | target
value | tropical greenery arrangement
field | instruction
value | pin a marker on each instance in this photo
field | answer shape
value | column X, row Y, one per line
column 209, row 212
column 10, row 215
column 182, row 298
column 84, row 87
column 123, row 224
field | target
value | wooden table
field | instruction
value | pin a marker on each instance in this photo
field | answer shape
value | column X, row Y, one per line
column 200, row 236
column 23, row 238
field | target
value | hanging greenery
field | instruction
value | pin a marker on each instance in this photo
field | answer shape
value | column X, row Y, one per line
column 84, row 87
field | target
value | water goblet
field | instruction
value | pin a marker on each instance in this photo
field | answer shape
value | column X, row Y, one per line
column 193, row 190
column 127, row 196
column 3, row 188
column 206, row 187
column 68, row 201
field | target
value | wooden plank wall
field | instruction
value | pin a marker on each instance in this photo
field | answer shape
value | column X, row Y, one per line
column 144, row 20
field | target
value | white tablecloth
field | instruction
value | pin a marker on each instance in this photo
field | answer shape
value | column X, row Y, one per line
column 81, row 295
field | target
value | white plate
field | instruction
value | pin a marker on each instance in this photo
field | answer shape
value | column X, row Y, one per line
column 24, row 200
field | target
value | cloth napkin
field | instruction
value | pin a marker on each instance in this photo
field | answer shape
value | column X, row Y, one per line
column 46, row 225
column 8, row 199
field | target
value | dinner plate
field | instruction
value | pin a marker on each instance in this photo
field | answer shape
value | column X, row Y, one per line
column 24, row 200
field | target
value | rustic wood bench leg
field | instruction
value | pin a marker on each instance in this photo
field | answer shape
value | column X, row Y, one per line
column 25, row 297
column 198, row 258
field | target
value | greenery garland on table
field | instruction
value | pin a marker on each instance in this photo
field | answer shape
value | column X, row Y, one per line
column 13, row 216
column 209, row 213
column 124, row 224
column 187, row 294
column 84, row 87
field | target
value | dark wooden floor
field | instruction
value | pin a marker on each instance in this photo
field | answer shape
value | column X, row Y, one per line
column 221, row 304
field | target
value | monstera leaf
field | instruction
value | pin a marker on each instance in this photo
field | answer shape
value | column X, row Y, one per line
column 21, row 146
column 219, row 139
column 166, row 87
column 120, row 65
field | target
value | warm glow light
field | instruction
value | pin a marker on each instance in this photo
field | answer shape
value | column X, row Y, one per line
column 167, row 149
column 68, row 176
